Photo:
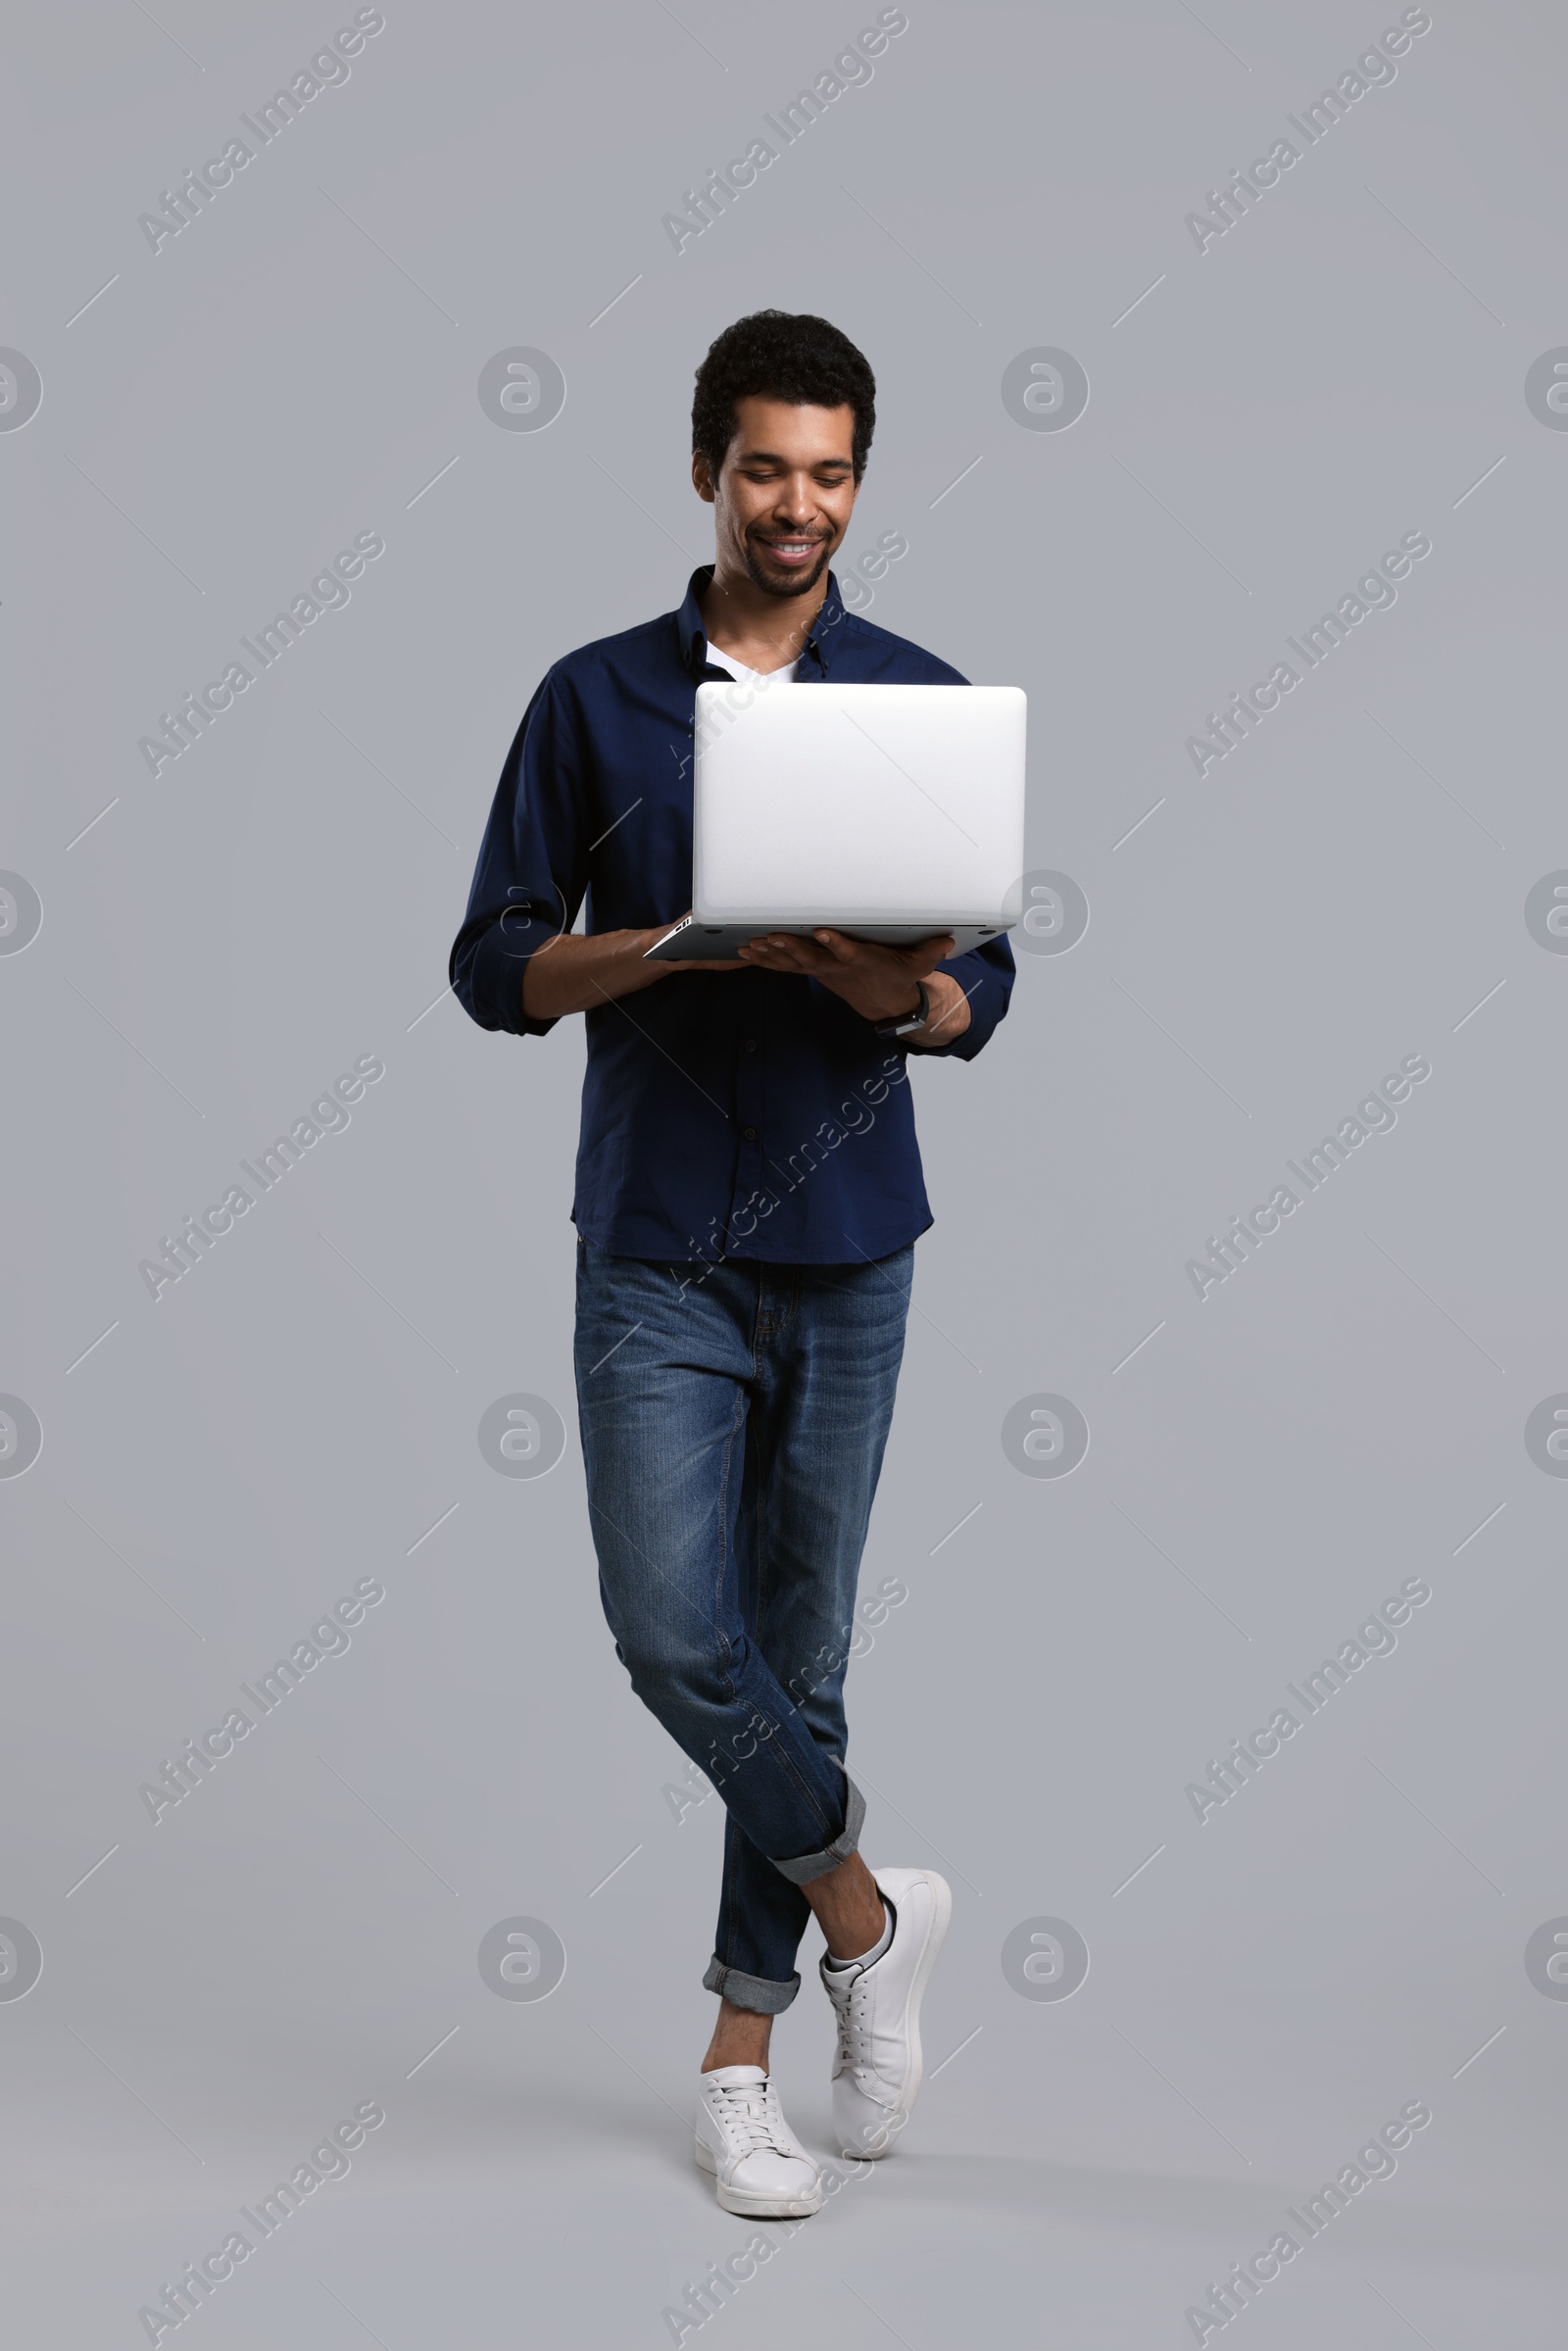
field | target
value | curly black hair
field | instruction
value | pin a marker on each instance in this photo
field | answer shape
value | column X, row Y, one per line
column 789, row 356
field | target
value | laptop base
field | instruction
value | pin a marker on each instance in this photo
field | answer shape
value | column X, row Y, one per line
column 692, row 940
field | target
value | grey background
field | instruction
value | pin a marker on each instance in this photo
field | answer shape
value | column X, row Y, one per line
column 298, row 1413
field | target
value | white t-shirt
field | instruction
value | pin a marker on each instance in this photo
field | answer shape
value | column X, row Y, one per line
column 753, row 677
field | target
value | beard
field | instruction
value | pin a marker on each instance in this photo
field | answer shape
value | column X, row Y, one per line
column 794, row 583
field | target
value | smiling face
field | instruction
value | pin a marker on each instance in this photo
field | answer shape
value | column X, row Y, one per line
column 784, row 495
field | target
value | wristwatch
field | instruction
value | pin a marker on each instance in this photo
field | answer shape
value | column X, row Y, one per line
column 903, row 1022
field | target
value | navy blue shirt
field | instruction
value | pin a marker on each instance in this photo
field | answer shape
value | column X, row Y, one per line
column 742, row 1114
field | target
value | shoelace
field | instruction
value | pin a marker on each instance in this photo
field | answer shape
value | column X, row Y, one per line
column 854, row 2032
column 750, row 2116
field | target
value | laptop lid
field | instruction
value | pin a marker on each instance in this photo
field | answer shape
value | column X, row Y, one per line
column 850, row 805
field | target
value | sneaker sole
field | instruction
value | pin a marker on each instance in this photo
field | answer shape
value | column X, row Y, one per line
column 756, row 2208
column 936, row 1934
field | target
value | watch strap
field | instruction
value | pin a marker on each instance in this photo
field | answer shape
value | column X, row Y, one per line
column 901, row 1023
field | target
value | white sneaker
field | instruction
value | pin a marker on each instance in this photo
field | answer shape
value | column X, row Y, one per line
column 760, row 2167
column 877, row 2071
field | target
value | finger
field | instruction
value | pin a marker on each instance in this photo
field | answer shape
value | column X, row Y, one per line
column 841, row 949
column 938, row 945
column 922, row 960
column 787, row 953
column 919, row 958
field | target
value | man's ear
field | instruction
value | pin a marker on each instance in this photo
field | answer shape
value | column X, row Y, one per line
column 702, row 476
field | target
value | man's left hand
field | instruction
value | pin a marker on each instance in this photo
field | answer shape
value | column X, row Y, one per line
column 877, row 982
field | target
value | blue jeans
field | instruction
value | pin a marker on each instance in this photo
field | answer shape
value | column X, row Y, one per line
column 733, row 1421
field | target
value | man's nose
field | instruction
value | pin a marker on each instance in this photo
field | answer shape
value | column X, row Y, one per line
column 796, row 501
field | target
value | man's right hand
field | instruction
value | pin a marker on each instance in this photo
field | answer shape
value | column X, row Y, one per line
column 573, row 974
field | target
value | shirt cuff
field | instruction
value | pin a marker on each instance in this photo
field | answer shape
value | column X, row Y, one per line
column 494, row 984
column 987, row 1002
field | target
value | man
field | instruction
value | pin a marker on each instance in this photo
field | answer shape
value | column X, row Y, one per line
column 749, row 1193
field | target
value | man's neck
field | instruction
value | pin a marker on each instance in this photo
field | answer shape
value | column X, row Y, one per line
column 765, row 632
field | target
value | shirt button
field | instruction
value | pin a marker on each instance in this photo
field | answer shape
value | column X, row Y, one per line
column 750, row 1134
column 750, row 1044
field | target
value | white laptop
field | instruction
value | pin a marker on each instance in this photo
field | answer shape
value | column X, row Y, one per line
column 890, row 813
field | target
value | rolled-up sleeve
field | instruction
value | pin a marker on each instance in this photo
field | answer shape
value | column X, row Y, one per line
column 986, row 976
column 532, row 869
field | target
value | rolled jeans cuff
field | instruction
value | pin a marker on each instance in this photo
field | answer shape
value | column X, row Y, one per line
column 807, row 1866
column 757, row 1992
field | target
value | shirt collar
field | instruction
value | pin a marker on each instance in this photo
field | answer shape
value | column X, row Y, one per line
column 822, row 645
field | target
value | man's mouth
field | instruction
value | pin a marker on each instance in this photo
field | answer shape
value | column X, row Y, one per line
column 793, row 552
